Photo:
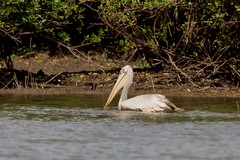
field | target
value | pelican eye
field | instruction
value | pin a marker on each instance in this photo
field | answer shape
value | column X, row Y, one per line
column 122, row 71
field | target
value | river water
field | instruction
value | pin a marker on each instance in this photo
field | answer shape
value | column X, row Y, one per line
column 75, row 127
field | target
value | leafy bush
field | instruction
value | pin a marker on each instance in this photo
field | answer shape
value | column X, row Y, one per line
column 196, row 38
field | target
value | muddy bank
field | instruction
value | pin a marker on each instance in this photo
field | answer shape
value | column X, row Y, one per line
column 42, row 75
column 186, row 91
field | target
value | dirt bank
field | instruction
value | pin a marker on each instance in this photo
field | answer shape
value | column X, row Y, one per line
column 171, row 91
column 69, row 75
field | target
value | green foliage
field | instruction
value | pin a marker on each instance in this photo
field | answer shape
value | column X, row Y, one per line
column 52, row 18
column 150, row 30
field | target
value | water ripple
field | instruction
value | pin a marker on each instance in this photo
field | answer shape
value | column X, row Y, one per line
column 33, row 129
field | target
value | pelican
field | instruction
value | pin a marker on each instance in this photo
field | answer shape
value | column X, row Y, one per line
column 144, row 103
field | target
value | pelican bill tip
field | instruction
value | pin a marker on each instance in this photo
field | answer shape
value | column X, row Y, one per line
column 105, row 106
column 179, row 110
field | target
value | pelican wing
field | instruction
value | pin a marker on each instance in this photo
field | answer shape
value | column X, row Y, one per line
column 149, row 103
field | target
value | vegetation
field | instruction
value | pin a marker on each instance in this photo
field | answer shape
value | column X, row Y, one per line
column 197, row 39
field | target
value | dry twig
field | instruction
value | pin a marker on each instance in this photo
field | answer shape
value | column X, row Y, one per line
column 7, row 84
column 51, row 79
column 179, row 70
column 237, row 106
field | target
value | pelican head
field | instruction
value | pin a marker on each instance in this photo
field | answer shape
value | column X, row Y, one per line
column 124, row 81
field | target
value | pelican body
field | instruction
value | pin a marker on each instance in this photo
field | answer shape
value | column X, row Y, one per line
column 144, row 103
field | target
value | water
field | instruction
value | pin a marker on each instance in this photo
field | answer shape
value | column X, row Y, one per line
column 75, row 127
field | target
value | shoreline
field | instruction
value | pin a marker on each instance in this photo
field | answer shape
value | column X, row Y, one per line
column 176, row 91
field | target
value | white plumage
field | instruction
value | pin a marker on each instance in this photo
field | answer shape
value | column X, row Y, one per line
column 144, row 103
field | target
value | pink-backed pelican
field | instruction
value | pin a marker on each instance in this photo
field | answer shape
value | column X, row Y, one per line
column 144, row 103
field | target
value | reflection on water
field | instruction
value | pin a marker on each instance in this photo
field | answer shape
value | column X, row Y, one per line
column 76, row 127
